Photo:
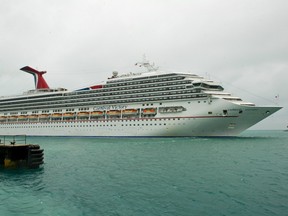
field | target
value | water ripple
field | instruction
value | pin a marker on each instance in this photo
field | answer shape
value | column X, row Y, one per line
column 186, row 176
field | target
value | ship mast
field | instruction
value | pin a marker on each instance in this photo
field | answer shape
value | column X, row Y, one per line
column 145, row 63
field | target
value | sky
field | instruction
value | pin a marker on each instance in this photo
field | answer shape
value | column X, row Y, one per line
column 243, row 44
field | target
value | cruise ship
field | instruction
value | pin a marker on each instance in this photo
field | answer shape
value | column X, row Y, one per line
column 149, row 104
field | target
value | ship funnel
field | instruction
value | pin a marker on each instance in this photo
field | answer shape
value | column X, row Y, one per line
column 40, row 82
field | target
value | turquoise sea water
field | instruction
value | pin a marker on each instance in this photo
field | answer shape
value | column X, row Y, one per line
column 247, row 175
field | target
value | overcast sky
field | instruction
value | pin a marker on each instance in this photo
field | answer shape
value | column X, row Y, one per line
column 241, row 43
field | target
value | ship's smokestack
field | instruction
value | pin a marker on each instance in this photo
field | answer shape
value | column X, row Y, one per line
column 40, row 82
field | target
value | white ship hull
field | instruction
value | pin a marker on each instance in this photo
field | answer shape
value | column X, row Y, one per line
column 204, row 118
column 151, row 104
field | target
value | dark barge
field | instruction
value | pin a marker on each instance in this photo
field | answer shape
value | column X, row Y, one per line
column 16, row 153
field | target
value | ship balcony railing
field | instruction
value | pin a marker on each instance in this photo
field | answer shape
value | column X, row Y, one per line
column 94, row 99
column 70, row 99
column 108, row 101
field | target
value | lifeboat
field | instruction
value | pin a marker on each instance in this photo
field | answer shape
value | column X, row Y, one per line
column 3, row 118
column 68, row 115
column 22, row 117
column 97, row 113
column 130, row 112
column 33, row 117
column 83, row 114
column 56, row 115
column 114, row 112
column 43, row 116
column 149, row 111
column 12, row 118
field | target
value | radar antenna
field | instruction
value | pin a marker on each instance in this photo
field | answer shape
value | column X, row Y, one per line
column 145, row 63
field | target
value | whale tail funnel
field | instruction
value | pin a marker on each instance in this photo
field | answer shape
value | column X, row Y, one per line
column 40, row 82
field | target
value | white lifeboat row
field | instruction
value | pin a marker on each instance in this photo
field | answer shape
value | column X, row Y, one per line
column 80, row 115
column 126, row 113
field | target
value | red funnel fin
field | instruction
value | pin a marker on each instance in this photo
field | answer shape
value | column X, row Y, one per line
column 40, row 82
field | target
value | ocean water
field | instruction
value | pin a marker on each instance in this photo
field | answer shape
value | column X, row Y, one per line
column 246, row 175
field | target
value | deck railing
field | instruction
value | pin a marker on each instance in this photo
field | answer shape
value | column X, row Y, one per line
column 12, row 139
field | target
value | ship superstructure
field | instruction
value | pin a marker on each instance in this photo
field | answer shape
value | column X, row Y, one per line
column 152, row 103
